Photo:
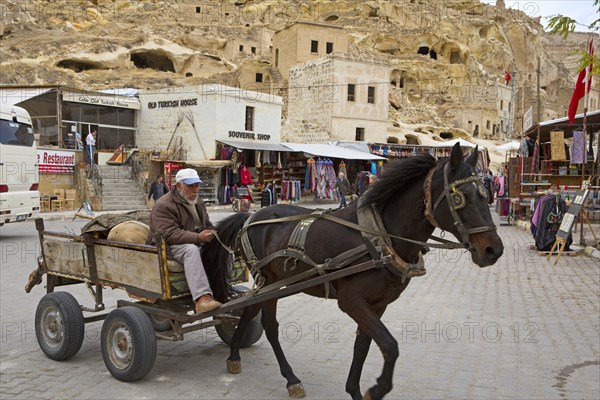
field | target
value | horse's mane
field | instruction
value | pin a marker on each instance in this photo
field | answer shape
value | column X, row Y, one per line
column 398, row 175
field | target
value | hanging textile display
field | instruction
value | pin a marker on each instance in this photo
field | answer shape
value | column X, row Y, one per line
column 291, row 190
column 578, row 151
column 310, row 178
column 325, row 180
column 557, row 149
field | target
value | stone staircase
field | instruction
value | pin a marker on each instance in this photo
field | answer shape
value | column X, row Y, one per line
column 119, row 190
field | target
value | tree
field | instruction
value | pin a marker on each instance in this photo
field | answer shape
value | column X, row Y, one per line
column 561, row 25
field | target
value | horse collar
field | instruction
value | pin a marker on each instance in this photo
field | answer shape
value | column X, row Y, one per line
column 369, row 218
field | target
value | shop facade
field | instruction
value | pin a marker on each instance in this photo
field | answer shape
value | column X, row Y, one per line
column 62, row 117
column 213, row 128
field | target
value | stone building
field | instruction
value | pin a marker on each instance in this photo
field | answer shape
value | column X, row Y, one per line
column 339, row 97
column 187, row 122
column 306, row 41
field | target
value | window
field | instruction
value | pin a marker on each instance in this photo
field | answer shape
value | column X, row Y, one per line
column 241, row 47
column 371, row 94
column 198, row 9
column 253, row 50
column 249, row 118
column 360, row 135
column 277, row 57
column 501, row 105
column 487, row 124
column 351, row 92
column 329, row 48
column 259, row 77
column 16, row 134
column 314, row 46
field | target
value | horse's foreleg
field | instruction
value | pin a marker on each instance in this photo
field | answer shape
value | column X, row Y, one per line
column 234, row 362
column 271, row 327
column 361, row 349
column 370, row 324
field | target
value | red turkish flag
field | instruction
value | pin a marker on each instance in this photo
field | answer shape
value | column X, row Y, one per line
column 580, row 85
column 507, row 77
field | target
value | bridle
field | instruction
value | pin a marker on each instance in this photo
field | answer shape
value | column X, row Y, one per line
column 456, row 200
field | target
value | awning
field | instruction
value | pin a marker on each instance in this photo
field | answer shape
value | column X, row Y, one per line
column 254, row 145
column 327, row 150
column 208, row 163
column 451, row 143
column 562, row 124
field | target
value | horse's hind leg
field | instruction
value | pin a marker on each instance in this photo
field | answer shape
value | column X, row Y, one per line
column 234, row 362
column 271, row 327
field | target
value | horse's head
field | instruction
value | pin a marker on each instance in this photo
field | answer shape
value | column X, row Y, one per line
column 457, row 202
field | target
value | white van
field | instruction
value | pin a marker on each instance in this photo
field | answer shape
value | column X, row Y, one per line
column 19, row 176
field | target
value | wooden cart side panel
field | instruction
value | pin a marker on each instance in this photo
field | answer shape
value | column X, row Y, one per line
column 129, row 267
column 65, row 257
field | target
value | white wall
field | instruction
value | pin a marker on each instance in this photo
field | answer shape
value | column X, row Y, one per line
column 215, row 111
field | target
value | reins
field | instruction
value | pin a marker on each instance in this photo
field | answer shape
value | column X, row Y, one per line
column 324, row 214
column 453, row 196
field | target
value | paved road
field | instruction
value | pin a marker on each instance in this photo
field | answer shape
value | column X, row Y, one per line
column 519, row 329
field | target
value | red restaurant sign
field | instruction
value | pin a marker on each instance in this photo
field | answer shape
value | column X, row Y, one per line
column 56, row 162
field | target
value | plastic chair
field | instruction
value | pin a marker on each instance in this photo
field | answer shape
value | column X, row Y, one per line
column 69, row 201
column 58, row 203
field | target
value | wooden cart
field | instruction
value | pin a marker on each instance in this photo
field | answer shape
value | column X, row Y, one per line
column 160, row 306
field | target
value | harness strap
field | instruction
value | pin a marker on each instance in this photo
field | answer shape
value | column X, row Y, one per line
column 323, row 214
column 427, row 188
column 339, row 261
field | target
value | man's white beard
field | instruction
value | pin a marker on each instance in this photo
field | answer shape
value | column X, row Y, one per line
column 193, row 201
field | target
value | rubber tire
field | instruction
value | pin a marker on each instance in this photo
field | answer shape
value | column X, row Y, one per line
column 253, row 333
column 137, row 324
column 71, row 322
column 160, row 324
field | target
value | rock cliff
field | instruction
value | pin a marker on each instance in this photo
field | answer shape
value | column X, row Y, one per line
column 438, row 49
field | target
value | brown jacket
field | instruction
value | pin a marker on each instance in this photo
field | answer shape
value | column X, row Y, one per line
column 171, row 219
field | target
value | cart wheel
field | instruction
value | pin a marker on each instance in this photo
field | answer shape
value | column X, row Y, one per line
column 160, row 324
column 128, row 344
column 59, row 325
column 253, row 333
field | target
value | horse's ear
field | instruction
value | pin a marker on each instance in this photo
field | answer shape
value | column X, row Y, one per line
column 472, row 160
column 456, row 156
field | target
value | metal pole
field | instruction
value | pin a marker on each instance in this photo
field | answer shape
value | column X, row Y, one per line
column 588, row 73
column 539, row 118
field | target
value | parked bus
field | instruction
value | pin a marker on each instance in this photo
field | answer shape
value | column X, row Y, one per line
column 19, row 176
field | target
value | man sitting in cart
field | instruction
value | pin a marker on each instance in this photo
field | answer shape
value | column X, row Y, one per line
column 180, row 217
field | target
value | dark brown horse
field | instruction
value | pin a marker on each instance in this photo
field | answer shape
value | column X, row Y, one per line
column 447, row 190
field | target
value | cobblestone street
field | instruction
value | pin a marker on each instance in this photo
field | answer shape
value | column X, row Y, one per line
column 522, row 328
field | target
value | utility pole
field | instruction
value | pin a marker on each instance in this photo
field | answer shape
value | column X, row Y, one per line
column 511, row 115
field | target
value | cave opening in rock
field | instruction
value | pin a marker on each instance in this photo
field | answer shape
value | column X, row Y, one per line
column 412, row 139
column 456, row 57
column 152, row 60
column 78, row 66
column 423, row 50
column 446, row 135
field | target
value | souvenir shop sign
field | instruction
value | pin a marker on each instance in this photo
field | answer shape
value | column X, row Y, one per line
column 569, row 218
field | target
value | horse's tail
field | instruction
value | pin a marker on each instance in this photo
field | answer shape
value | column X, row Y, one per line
column 216, row 258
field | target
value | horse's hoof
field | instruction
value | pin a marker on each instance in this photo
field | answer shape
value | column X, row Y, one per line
column 296, row 391
column 234, row 367
column 367, row 396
